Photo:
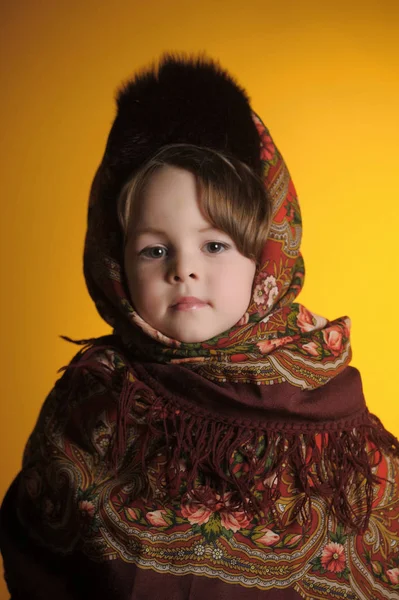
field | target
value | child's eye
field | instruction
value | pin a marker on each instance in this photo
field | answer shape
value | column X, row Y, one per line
column 216, row 247
column 154, row 252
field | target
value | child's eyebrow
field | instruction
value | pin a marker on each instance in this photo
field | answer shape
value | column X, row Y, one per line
column 148, row 230
column 143, row 230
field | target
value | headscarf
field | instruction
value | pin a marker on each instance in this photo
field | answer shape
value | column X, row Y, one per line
column 277, row 340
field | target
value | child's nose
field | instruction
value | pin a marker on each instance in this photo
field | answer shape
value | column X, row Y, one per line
column 182, row 277
column 182, row 269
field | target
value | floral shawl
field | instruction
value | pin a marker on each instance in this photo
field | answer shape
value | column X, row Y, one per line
column 249, row 461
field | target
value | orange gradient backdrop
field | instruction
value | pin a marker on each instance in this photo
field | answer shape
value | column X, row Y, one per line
column 324, row 77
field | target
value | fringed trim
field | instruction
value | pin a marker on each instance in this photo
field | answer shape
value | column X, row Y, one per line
column 85, row 359
column 222, row 463
column 238, row 467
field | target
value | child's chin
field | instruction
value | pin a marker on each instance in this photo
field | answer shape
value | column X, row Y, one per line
column 195, row 333
column 192, row 336
column 195, row 337
column 191, row 339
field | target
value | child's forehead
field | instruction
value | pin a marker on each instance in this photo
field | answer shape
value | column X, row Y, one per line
column 171, row 195
column 166, row 178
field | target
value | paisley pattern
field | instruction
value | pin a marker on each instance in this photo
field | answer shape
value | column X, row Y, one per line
column 76, row 501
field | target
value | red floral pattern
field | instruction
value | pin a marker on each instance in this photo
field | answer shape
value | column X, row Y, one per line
column 269, row 345
column 308, row 321
column 333, row 337
column 195, row 512
column 311, row 348
column 87, row 508
column 268, row 537
column 156, row 518
column 393, row 575
column 333, row 557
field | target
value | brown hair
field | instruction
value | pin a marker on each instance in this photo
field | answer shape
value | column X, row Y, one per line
column 233, row 198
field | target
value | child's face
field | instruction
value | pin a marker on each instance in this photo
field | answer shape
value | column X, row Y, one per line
column 185, row 278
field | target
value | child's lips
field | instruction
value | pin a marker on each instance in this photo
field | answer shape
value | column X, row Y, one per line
column 188, row 303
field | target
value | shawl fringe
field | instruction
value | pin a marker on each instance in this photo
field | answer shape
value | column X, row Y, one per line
column 232, row 465
column 237, row 467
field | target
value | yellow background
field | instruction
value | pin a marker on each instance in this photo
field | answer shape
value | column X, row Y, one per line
column 323, row 76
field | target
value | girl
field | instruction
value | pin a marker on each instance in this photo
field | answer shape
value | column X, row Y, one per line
column 217, row 443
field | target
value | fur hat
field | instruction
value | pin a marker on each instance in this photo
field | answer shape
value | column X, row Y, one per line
column 183, row 100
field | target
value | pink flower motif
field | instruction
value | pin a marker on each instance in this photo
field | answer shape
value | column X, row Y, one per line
column 271, row 289
column 234, row 520
column 308, row 321
column 266, row 292
column 259, row 294
column 293, row 540
column 333, row 557
column 156, row 517
column 333, row 338
column 244, row 319
column 87, row 508
column 133, row 513
column 268, row 538
column 393, row 575
column 311, row 348
column 268, row 346
column 198, row 513
column 195, row 512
